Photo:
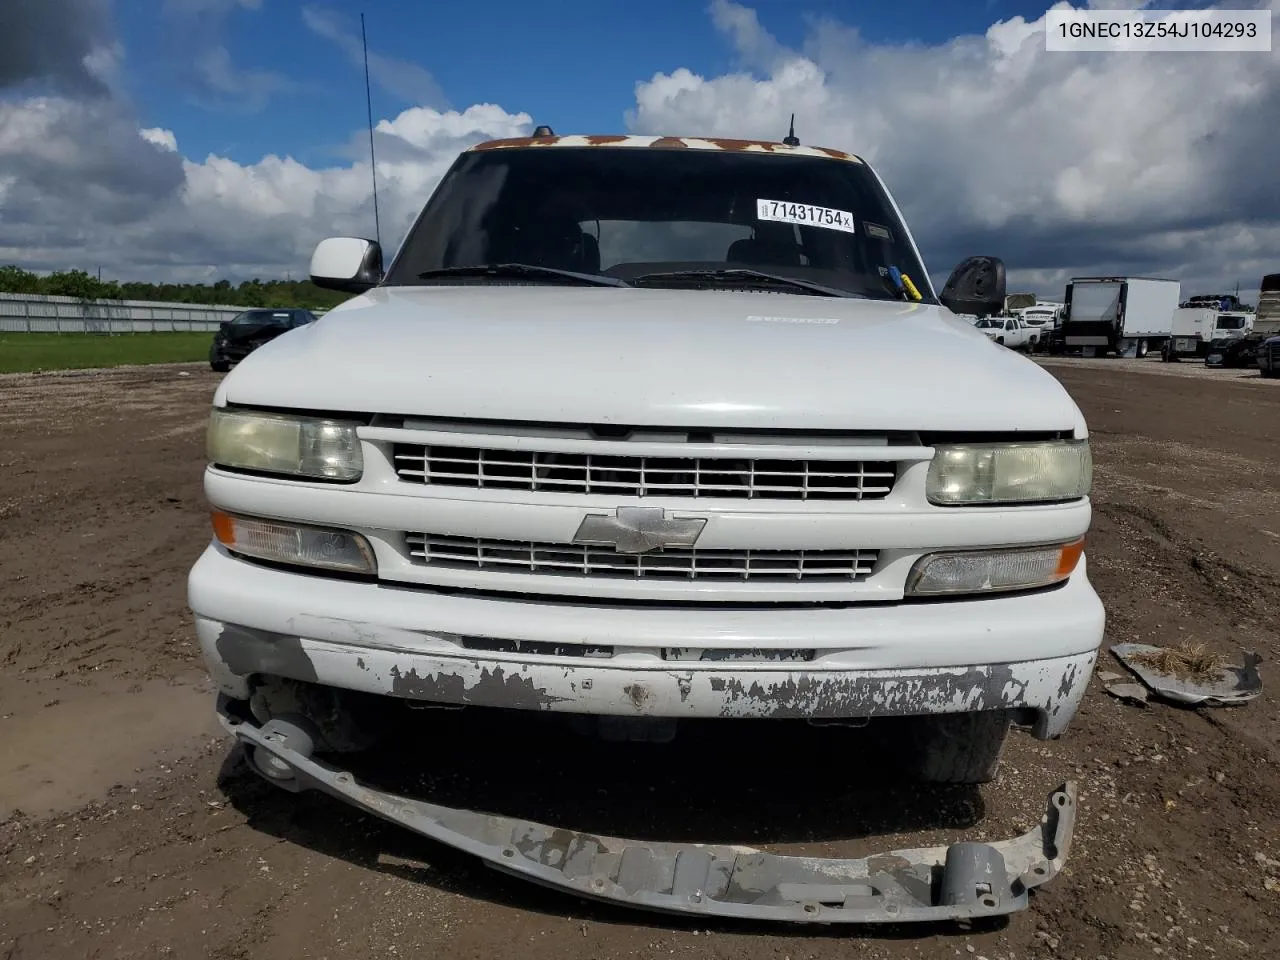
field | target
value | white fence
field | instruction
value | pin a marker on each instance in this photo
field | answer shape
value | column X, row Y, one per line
column 28, row 313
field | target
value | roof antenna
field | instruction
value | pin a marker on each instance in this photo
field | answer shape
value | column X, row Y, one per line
column 791, row 139
column 373, row 163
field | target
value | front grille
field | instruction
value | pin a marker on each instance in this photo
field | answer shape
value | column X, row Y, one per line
column 755, row 566
column 636, row 476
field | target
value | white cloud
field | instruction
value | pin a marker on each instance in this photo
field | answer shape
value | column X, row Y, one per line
column 231, row 84
column 218, row 7
column 754, row 44
column 216, row 80
column 406, row 81
column 1057, row 162
column 161, row 138
column 143, row 211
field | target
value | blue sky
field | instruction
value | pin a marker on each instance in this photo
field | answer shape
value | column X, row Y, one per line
column 571, row 63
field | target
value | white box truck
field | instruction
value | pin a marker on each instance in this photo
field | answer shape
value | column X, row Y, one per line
column 1127, row 316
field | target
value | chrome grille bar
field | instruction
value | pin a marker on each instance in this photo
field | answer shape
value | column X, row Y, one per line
column 640, row 476
column 563, row 559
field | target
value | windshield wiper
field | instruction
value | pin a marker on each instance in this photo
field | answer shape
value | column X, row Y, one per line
column 745, row 276
column 526, row 270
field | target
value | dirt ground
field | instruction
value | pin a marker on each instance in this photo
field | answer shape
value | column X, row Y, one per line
column 130, row 829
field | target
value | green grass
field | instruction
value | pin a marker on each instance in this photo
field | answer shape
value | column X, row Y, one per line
column 25, row 352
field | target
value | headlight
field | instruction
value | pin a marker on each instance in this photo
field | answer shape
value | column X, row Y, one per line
column 276, row 443
column 992, row 571
column 976, row 473
column 295, row 543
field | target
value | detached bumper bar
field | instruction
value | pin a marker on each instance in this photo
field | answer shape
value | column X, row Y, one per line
column 961, row 881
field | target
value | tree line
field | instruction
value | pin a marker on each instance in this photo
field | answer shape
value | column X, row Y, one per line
column 250, row 293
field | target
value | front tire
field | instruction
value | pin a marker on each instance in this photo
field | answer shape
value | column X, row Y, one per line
column 957, row 747
column 219, row 366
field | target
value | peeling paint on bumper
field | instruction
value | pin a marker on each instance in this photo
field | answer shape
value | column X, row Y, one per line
column 960, row 881
column 647, row 686
column 1035, row 653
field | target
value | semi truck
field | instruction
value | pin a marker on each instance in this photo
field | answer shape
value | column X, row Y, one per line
column 1247, row 351
column 1125, row 316
column 1195, row 329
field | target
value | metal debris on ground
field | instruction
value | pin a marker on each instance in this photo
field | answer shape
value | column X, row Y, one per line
column 1190, row 675
column 960, row 881
column 1131, row 692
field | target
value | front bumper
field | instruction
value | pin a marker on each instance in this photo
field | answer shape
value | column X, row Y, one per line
column 966, row 880
column 1032, row 653
column 231, row 353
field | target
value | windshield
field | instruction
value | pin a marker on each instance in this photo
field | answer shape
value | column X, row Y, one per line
column 633, row 212
column 262, row 318
column 1095, row 301
column 1231, row 323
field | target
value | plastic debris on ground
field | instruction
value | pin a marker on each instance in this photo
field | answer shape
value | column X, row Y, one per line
column 1187, row 676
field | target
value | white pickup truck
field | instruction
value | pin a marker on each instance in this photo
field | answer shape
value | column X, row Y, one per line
column 1011, row 332
column 637, row 429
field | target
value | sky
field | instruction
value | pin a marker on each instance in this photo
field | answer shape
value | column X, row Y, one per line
column 192, row 140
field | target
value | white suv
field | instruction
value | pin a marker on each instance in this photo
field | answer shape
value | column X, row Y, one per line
column 640, row 429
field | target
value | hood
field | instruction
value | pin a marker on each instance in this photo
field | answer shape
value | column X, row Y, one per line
column 646, row 357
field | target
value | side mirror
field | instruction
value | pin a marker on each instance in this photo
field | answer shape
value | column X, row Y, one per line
column 224, row 326
column 349, row 264
column 976, row 287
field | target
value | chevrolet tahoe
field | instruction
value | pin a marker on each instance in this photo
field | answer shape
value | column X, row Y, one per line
column 639, row 429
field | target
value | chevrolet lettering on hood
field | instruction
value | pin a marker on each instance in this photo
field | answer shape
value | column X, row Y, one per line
column 637, row 431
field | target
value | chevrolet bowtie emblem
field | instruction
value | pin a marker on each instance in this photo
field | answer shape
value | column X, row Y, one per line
column 637, row 530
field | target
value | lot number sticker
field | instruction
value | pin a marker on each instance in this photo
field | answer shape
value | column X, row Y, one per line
column 805, row 214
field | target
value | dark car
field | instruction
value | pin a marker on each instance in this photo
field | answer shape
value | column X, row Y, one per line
column 1237, row 353
column 246, row 332
column 1269, row 358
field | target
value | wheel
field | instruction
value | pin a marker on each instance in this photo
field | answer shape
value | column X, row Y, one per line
column 957, row 747
column 1142, row 349
column 1270, row 373
column 1000, row 340
column 219, row 366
